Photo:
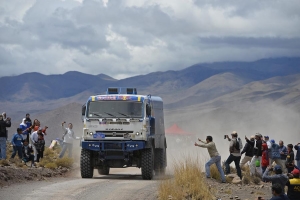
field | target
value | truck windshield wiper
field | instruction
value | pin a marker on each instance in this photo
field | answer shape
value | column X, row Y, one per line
column 124, row 114
column 110, row 114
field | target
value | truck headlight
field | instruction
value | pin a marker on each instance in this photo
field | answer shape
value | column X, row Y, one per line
column 137, row 133
column 91, row 133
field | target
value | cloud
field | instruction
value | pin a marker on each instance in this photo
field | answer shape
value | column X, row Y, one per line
column 131, row 37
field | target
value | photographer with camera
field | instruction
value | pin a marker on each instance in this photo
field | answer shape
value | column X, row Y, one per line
column 278, row 177
column 248, row 150
column 235, row 147
column 4, row 123
column 290, row 162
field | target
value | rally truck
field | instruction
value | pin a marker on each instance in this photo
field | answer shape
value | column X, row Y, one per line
column 123, row 129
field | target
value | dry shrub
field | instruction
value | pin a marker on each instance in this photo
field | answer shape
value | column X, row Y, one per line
column 64, row 162
column 256, row 180
column 188, row 183
column 51, row 165
column 19, row 164
column 214, row 172
column 246, row 180
column 49, row 153
column 4, row 163
column 45, row 161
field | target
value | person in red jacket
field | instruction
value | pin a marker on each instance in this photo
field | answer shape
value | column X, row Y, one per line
column 265, row 157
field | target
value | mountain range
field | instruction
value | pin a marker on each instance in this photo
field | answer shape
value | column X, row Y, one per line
column 222, row 95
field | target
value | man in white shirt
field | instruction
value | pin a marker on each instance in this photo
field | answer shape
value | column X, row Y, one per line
column 68, row 137
column 34, row 138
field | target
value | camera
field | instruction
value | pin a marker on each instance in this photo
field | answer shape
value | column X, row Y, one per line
column 225, row 136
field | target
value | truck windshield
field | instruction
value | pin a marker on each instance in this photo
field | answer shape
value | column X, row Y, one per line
column 115, row 109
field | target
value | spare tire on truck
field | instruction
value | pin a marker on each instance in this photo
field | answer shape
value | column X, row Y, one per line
column 86, row 164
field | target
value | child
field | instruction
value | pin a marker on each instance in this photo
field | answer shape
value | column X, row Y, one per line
column 40, row 146
column 264, row 158
column 27, row 150
column 17, row 142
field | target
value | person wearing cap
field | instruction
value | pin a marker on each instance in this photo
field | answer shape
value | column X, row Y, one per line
column 297, row 147
column 278, row 177
column 275, row 155
column 235, row 155
column 3, row 136
column 34, row 138
column 294, row 186
column 17, row 142
column 257, row 153
column 215, row 157
column 248, row 150
column 277, row 193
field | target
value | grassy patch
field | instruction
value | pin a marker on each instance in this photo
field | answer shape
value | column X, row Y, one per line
column 214, row 172
column 4, row 163
column 51, row 165
column 64, row 162
column 188, row 183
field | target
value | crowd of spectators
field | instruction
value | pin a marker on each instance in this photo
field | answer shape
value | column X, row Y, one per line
column 262, row 156
column 29, row 140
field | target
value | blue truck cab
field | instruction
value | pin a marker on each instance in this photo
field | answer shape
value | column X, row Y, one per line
column 123, row 129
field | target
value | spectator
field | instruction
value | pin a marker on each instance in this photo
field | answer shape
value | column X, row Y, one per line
column 68, row 137
column 235, row 155
column 248, row 150
column 267, row 141
column 24, row 128
column 283, row 151
column 3, row 136
column 257, row 153
column 34, row 139
column 277, row 193
column 264, row 157
column 297, row 147
column 275, row 155
column 294, row 186
column 290, row 163
column 17, row 142
column 27, row 153
column 28, row 120
column 40, row 146
column 215, row 157
column 278, row 178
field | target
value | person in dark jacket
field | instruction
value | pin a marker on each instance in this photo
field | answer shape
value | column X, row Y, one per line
column 278, row 177
column 283, row 151
column 40, row 146
column 248, row 150
column 290, row 162
column 294, row 186
column 277, row 193
column 17, row 142
column 297, row 147
column 27, row 153
column 257, row 153
column 3, row 136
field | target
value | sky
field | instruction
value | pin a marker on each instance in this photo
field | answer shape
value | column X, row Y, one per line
column 124, row 38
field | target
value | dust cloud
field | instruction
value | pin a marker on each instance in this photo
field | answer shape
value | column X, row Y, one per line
column 279, row 122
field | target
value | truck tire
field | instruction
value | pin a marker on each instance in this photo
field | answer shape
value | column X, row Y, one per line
column 160, row 161
column 86, row 164
column 147, row 163
column 104, row 170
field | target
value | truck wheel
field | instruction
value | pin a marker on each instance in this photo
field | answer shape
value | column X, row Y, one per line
column 160, row 161
column 104, row 170
column 86, row 164
column 147, row 164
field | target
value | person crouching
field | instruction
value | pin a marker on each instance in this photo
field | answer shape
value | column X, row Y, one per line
column 27, row 153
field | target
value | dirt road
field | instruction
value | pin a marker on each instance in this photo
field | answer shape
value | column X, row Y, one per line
column 125, row 184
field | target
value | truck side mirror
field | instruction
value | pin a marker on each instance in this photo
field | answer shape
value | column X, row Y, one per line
column 83, row 110
column 148, row 110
